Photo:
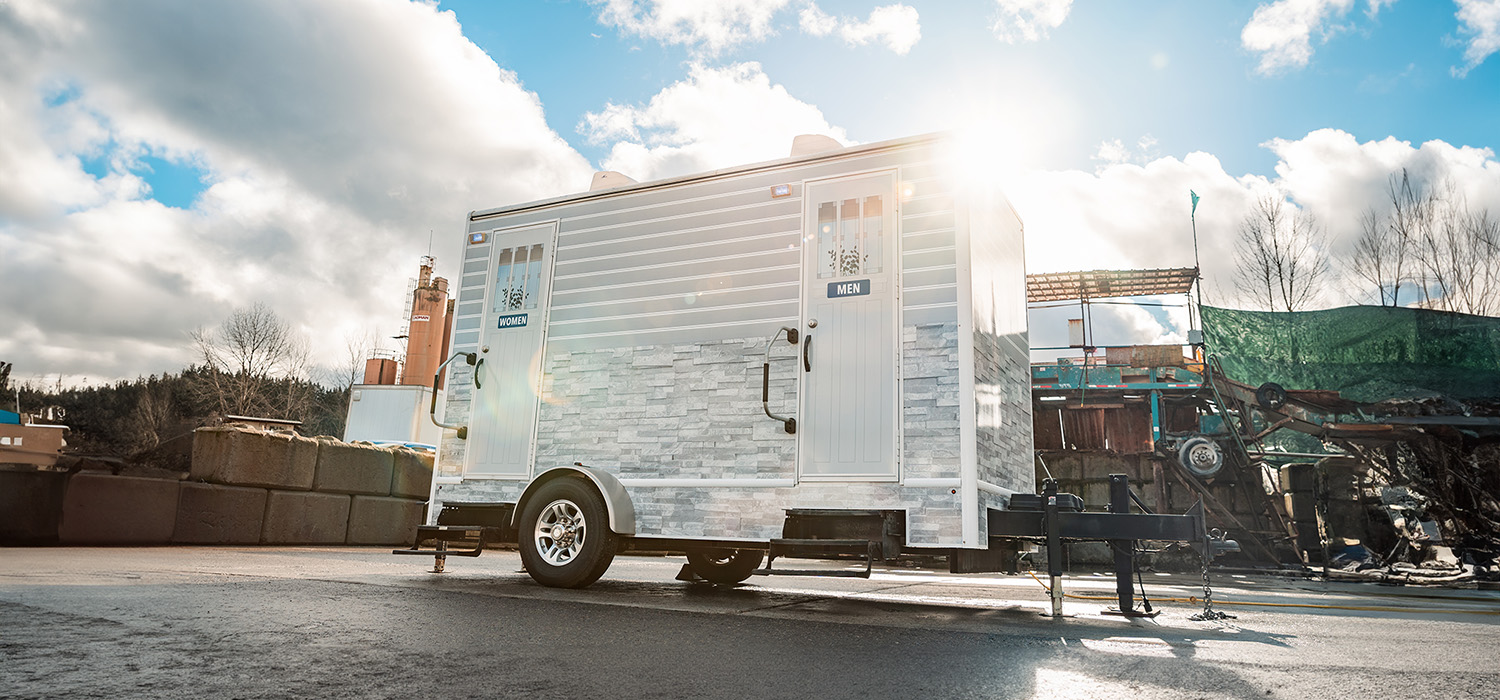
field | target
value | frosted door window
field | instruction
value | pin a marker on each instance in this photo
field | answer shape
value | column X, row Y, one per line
column 849, row 262
column 502, row 280
column 518, row 278
column 827, row 255
column 851, row 237
column 533, row 276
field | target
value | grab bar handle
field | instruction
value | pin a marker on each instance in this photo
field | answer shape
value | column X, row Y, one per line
column 789, row 424
column 463, row 431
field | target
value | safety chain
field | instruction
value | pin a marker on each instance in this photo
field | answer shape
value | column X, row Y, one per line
column 1209, row 614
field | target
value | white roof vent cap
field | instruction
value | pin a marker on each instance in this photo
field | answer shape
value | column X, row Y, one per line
column 808, row 144
column 605, row 179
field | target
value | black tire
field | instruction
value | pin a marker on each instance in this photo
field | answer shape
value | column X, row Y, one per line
column 1270, row 395
column 725, row 565
column 551, row 558
column 1201, row 456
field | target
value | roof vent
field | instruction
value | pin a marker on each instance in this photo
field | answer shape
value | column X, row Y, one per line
column 808, row 144
column 605, row 179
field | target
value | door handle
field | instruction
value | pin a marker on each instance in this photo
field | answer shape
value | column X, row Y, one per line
column 806, row 350
column 477, row 368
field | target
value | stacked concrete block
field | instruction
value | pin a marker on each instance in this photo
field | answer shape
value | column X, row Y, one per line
column 100, row 508
column 305, row 517
column 411, row 474
column 30, row 505
column 352, row 468
column 215, row 514
column 281, row 489
column 377, row 520
column 239, row 457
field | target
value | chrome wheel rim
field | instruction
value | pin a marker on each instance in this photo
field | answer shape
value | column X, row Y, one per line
column 560, row 532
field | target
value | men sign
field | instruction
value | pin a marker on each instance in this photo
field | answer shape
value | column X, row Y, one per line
column 849, row 288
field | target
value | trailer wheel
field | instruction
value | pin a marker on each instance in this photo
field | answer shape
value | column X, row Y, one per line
column 725, row 565
column 1201, row 456
column 564, row 535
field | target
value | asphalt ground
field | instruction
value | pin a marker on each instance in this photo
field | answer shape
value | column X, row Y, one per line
column 268, row 622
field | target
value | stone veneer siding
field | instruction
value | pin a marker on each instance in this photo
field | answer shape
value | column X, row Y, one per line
column 1002, row 378
column 694, row 411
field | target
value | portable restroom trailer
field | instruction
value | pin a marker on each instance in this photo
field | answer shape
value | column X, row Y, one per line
column 620, row 341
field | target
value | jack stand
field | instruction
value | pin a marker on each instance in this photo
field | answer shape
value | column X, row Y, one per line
column 440, row 559
column 1054, row 544
column 1124, row 551
column 1131, row 613
column 1057, row 596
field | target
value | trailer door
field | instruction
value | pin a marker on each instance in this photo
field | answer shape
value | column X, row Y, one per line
column 847, row 425
column 507, row 383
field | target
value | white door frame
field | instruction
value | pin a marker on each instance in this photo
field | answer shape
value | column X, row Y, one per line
column 808, row 257
column 490, row 317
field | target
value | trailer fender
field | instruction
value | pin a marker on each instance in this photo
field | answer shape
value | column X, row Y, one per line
column 616, row 501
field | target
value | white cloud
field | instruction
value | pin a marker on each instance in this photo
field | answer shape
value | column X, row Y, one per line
column 1281, row 31
column 1114, row 151
column 333, row 135
column 895, row 26
column 707, row 26
column 1481, row 21
column 1373, row 7
column 1334, row 175
column 714, row 118
column 816, row 22
column 1028, row 20
column 1128, row 215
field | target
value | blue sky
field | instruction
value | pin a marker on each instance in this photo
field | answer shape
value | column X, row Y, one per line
column 1175, row 72
column 1387, row 75
column 164, row 161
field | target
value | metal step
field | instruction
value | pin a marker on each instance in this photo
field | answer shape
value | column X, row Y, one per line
column 819, row 549
column 444, row 534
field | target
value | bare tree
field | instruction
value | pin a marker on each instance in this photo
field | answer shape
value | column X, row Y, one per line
column 1383, row 252
column 1431, row 242
column 152, row 417
column 1458, row 256
column 257, row 365
column 357, row 349
column 1281, row 258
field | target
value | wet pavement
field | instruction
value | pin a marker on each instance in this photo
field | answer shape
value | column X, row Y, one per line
column 357, row 622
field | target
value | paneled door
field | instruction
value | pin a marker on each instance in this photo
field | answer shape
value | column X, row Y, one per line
column 507, row 380
column 847, row 425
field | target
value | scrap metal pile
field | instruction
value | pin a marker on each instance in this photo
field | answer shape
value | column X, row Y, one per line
column 1412, row 397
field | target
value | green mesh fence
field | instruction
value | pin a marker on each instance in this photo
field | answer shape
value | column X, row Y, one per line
column 1368, row 353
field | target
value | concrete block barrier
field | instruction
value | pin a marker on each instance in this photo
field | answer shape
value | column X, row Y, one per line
column 353, row 468
column 215, row 514
column 30, row 505
column 304, row 517
column 100, row 508
column 381, row 520
column 411, row 476
column 237, row 457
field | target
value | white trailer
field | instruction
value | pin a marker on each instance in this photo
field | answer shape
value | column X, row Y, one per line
column 632, row 384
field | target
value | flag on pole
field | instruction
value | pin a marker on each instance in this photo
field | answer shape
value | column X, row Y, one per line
column 1195, row 202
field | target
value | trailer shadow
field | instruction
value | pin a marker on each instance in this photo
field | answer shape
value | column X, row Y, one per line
column 1087, row 655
